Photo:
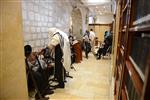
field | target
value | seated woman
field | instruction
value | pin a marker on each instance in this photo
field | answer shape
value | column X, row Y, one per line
column 35, row 67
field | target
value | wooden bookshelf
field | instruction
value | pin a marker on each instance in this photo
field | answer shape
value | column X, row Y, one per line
column 133, row 51
column 135, row 77
column 141, row 28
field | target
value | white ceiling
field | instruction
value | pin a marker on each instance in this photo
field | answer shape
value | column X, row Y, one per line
column 100, row 7
column 95, row 2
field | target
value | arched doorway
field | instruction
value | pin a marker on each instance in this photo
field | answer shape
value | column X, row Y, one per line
column 76, row 23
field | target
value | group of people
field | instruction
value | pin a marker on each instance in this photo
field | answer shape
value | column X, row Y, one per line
column 36, row 69
column 88, row 42
column 105, row 47
column 59, row 49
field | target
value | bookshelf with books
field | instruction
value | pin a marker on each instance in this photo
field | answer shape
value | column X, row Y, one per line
column 133, row 51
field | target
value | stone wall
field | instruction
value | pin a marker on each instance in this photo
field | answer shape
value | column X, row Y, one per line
column 77, row 23
column 85, row 24
column 39, row 15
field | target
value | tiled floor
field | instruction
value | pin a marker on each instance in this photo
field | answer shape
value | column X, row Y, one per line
column 91, row 81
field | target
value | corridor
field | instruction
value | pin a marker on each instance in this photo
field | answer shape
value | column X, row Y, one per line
column 56, row 32
column 91, row 81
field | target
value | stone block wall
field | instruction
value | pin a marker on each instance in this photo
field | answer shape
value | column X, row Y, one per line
column 39, row 15
column 77, row 23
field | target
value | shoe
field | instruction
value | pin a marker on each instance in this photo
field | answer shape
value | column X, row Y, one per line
column 65, row 81
column 95, row 55
column 98, row 58
column 37, row 96
column 48, row 92
column 59, row 86
column 42, row 97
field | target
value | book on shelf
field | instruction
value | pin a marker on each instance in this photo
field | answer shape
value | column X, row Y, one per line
column 140, row 50
column 131, row 91
column 142, row 8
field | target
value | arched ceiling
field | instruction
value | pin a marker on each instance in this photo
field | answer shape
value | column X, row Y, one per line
column 101, row 11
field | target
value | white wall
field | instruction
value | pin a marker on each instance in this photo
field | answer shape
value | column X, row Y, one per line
column 84, row 12
column 101, row 19
column 104, row 19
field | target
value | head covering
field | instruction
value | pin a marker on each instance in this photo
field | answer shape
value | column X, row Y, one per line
column 27, row 50
column 52, row 31
column 57, row 37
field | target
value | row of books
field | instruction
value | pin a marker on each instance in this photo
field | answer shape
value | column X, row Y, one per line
column 140, row 50
column 132, row 94
column 142, row 8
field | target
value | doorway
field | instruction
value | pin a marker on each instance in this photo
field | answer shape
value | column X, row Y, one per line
column 99, row 30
